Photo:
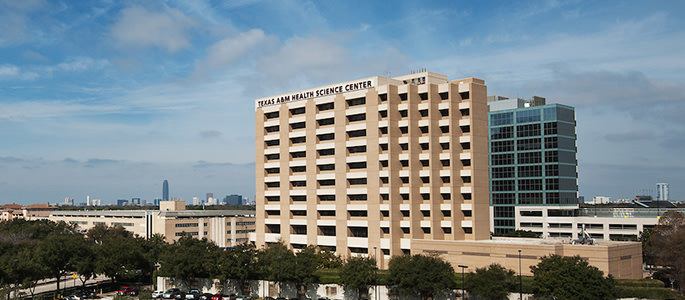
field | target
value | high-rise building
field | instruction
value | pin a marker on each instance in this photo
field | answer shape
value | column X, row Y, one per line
column 196, row 201
column 165, row 191
column 662, row 191
column 69, row 201
column 533, row 165
column 209, row 196
column 88, row 200
column 135, row 201
column 234, row 200
column 376, row 163
column 122, row 202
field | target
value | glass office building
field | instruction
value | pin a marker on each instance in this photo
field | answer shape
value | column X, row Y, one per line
column 532, row 157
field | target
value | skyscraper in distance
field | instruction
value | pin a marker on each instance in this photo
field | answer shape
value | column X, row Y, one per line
column 165, row 190
column 662, row 191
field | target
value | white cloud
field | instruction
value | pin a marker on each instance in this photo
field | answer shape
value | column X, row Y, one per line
column 228, row 50
column 80, row 64
column 139, row 27
column 8, row 71
column 311, row 57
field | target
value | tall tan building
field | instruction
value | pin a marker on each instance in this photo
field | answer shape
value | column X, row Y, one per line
column 373, row 164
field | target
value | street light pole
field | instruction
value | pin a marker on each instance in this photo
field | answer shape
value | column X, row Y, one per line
column 462, row 279
column 375, row 275
column 279, row 277
column 520, row 280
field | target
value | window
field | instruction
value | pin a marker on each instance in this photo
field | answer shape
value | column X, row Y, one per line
column 326, row 197
column 502, row 159
column 530, row 198
column 298, row 125
column 328, row 167
column 529, row 158
column 357, row 117
column 528, row 144
column 324, row 122
column 503, row 172
column 326, row 152
column 301, row 183
column 498, row 133
column 551, row 156
column 356, row 181
column 272, row 156
column 327, row 230
column 356, row 101
column 356, row 133
column 271, row 128
column 503, row 211
column 503, row 185
column 326, row 136
column 297, row 111
column 530, row 184
column 298, row 140
column 403, row 96
column 550, row 128
column 272, row 170
column 501, row 119
column 325, row 106
column 298, row 198
column 552, row 183
column 360, row 197
column 356, row 149
column 271, row 115
column 272, row 143
column 551, row 142
column 326, row 182
column 423, row 96
column 357, row 165
column 298, row 229
column 528, row 130
column 503, row 198
column 527, row 116
column 359, row 231
column 530, row 171
column 298, row 169
column 502, row 146
column 298, row 154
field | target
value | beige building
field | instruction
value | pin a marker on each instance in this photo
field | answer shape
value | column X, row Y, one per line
column 10, row 212
column 226, row 228
column 374, row 163
column 389, row 166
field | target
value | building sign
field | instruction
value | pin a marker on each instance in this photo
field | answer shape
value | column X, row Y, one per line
column 318, row 92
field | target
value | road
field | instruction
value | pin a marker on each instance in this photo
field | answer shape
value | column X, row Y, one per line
column 50, row 285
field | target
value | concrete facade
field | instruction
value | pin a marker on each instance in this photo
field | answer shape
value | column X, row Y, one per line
column 226, row 228
column 373, row 164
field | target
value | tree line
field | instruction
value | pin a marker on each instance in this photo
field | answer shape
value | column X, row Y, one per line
column 35, row 250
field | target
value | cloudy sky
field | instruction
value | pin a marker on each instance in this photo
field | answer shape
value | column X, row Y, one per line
column 109, row 98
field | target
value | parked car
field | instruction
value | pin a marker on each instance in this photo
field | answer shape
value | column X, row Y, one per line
column 180, row 295
column 157, row 294
column 206, row 296
column 217, row 296
column 170, row 293
column 193, row 294
column 127, row 291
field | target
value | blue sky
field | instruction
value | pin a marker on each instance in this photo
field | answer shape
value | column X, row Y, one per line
column 109, row 98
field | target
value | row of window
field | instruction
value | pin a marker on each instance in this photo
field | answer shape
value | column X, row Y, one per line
column 533, row 171
column 383, row 163
column 534, row 198
column 532, row 115
column 357, row 102
column 363, row 197
column 361, row 213
column 324, row 230
column 533, row 157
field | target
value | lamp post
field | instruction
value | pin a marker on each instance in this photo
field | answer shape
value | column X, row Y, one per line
column 462, row 279
column 520, row 280
column 375, row 275
column 279, row 276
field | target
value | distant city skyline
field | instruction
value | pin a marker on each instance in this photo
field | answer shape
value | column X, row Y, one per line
column 108, row 99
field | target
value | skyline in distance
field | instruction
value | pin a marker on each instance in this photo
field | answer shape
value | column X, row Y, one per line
column 108, row 99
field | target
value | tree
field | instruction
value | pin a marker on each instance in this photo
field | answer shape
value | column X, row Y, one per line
column 570, row 278
column 307, row 261
column 276, row 263
column 85, row 261
column 56, row 253
column 237, row 263
column 122, row 258
column 189, row 258
column 493, row 282
column 421, row 275
column 358, row 273
column 665, row 246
